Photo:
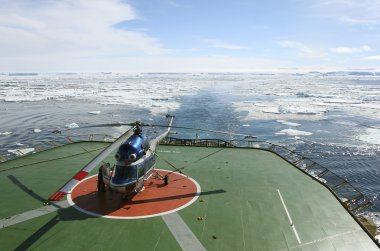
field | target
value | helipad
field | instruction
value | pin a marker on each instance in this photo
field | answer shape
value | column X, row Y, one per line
column 155, row 199
column 250, row 200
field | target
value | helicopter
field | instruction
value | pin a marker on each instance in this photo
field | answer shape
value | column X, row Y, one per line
column 135, row 161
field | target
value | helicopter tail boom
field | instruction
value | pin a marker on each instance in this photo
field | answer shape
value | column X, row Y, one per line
column 65, row 189
column 153, row 143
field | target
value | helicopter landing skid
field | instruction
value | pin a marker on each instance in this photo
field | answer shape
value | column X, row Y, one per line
column 136, row 191
column 157, row 176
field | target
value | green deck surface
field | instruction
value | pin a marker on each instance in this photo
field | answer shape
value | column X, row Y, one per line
column 239, row 208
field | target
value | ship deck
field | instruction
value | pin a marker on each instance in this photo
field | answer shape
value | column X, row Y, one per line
column 250, row 200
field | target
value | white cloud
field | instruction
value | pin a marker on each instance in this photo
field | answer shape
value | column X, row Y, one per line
column 342, row 49
column 304, row 50
column 68, row 30
column 375, row 57
column 354, row 21
column 351, row 12
column 148, row 63
column 222, row 45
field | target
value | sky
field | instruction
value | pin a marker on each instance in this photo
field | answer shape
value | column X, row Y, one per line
column 189, row 35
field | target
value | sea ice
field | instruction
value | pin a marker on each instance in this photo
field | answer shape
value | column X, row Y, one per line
column 372, row 136
column 152, row 92
column 37, row 130
column 292, row 132
column 370, row 98
column 5, row 133
column 94, row 112
column 302, row 109
column 284, row 122
column 72, row 125
column 21, row 152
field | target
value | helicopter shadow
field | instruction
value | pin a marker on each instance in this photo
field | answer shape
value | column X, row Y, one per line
column 63, row 214
column 175, row 197
column 110, row 202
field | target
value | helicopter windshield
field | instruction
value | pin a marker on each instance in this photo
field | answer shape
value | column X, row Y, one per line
column 123, row 172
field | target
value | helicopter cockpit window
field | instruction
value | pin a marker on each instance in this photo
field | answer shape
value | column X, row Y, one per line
column 122, row 172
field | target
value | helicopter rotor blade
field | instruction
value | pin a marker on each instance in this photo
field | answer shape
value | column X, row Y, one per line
column 176, row 127
column 66, row 188
column 171, row 126
column 203, row 130
column 108, row 125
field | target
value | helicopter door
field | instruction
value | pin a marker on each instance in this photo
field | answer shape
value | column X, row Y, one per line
column 140, row 174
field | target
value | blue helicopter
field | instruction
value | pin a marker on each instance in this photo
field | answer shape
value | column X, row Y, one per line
column 135, row 163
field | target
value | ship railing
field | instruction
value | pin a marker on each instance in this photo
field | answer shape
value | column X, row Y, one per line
column 356, row 203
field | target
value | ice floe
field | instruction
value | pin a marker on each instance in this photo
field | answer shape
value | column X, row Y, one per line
column 371, row 136
column 72, row 125
column 281, row 96
column 293, row 132
column 21, row 152
column 94, row 112
column 280, row 110
column 303, row 110
column 155, row 92
column 37, row 130
column 284, row 122
column 5, row 133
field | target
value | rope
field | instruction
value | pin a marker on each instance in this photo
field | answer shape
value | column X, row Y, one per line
column 183, row 167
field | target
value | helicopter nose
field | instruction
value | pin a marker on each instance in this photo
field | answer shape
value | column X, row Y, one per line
column 132, row 156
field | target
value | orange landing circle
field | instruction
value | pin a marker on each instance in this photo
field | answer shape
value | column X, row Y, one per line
column 154, row 200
